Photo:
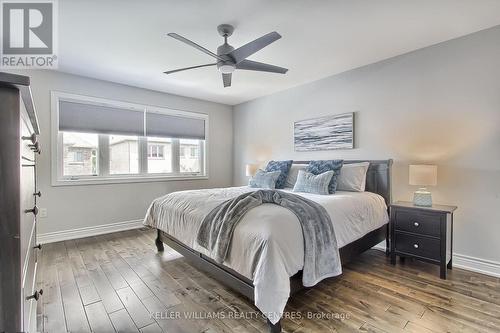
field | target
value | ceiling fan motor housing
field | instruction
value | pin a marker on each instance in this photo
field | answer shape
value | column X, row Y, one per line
column 228, row 66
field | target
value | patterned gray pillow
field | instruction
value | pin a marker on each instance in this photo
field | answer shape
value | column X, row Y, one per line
column 284, row 167
column 310, row 183
column 264, row 179
column 317, row 167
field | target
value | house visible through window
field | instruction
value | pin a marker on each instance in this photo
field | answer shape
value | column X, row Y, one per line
column 123, row 154
column 160, row 157
column 189, row 159
column 101, row 139
column 79, row 153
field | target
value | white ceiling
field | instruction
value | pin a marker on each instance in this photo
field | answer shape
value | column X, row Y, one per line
column 125, row 41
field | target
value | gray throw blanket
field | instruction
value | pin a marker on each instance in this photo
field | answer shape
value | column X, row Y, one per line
column 321, row 255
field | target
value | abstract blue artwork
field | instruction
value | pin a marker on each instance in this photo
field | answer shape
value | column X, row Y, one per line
column 325, row 133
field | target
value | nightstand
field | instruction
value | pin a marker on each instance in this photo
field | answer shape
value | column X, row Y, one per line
column 424, row 233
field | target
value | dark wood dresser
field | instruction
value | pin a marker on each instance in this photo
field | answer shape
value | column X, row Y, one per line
column 424, row 233
column 18, row 205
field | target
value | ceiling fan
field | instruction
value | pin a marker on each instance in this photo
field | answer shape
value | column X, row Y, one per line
column 229, row 59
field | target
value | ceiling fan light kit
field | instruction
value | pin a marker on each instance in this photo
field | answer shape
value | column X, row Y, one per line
column 229, row 59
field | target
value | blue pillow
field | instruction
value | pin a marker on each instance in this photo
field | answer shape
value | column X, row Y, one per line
column 317, row 167
column 309, row 183
column 284, row 167
column 264, row 179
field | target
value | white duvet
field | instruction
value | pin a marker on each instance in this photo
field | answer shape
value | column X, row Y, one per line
column 267, row 245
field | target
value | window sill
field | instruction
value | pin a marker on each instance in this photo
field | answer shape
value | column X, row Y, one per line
column 124, row 180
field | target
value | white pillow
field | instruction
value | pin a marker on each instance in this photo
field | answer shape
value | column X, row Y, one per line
column 352, row 177
column 291, row 179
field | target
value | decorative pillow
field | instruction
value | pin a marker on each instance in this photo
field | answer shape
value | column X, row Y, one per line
column 353, row 177
column 264, row 179
column 310, row 183
column 293, row 173
column 317, row 167
column 283, row 167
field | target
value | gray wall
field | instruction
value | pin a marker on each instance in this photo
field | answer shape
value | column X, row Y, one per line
column 71, row 207
column 437, row 105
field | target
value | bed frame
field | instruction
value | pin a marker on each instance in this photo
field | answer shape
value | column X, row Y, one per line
column 378, row 180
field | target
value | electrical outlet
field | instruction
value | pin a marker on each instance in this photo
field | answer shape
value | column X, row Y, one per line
column 43, row 212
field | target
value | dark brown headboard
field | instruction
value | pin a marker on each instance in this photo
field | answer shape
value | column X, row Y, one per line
column 378, row 177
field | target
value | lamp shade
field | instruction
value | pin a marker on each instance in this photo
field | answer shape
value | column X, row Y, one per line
column 423, row 175
column 251, row 169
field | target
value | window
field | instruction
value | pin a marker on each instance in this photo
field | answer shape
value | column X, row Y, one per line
column 109, row 141
column 189, row 157
column 123, row 154
column 78, row 157
column 155, row 151
column 79, row 153
column 159, row 155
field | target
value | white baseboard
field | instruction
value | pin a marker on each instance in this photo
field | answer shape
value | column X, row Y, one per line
column 57, row 236
column 488, row 267
column 483, row 266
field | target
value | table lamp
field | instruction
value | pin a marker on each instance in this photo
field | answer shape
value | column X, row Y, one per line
column 423, row 175
column 251, row 169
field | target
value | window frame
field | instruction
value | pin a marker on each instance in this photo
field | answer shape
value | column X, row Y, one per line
column 58, row 179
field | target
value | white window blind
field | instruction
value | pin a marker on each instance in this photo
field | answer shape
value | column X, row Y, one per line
column 92, row 118
column 170, row 126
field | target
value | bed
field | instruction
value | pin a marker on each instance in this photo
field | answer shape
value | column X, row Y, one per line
column 265, row 259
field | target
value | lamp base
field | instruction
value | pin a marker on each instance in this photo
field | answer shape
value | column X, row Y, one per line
column 422, row 197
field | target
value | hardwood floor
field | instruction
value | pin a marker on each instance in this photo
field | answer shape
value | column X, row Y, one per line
column 118, row 282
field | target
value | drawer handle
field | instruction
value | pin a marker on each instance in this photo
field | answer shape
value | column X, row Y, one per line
column 39, row 246
column 36, row 295
column 31, row 138
column 416, row 224
column 33, row 210
column 415, row 246
column 35, row 147
column 37, row 194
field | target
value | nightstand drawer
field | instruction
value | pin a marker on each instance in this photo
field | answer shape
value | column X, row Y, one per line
column 418, row 222
column 418, row 245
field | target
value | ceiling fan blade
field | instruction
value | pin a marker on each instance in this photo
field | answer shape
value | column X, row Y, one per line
column 248, row 49
column 226, row 79
column 193, row 44
column 260, row 66
column 185, row 69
